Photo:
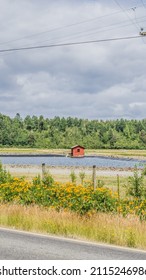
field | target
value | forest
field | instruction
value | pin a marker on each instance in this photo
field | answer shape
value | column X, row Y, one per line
column 40, row 132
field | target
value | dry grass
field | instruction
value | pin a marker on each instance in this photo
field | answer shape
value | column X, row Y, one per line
column 33, row 151
column 118, row 153
column 98, row 227
column 98, row 152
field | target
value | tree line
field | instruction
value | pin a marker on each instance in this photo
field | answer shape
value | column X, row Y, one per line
column 40, row 132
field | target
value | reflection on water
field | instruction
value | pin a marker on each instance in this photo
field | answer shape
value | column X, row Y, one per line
column 67, row 161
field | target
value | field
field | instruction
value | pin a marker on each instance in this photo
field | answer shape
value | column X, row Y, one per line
column 74, row 209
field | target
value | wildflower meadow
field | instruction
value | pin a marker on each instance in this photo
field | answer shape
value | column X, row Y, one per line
column 82, row 199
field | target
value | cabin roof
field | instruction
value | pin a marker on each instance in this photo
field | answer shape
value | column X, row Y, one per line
column 77, row 146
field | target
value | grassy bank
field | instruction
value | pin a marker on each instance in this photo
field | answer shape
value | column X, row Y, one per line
column 33, row 151
column 99, row 227
column 98, row 152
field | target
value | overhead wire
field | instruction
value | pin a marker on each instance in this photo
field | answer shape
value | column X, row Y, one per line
column 95, row 30
column 144, row 4
column 126, row 13
column 88, row 33
column 134, row 23
column 68, row 44
column 85, row 33
column 59, row 28
column 64, row 27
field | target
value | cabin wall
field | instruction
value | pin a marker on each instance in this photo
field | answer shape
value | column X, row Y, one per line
column 77, row 151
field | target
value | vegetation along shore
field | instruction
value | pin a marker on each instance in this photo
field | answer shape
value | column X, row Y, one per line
column 113, row 153
column 76, row 209
column 64, row 201
column 63, row 133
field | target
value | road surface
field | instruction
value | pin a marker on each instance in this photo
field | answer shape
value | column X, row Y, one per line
column 21, row 245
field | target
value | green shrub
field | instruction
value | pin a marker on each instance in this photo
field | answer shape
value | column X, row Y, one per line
column 82, row 176
column 5, row 176
column 100, row 183
column 73, row 176
column 144, row 171
column 135, row 185
column 47, row 180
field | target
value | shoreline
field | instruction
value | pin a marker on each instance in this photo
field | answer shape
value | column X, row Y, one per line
column 138, row 158
column 33, row 170
column 127, row 154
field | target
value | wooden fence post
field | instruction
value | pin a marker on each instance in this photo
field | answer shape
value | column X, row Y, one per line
column 43, row 170
column 94, row 177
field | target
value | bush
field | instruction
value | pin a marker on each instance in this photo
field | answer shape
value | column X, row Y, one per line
column 77, row 198
column 48, row 180
column 82, row 176
column 5, row 176
column 135, row 185
column 100, row 183
column 73, row 176
column 144, row 171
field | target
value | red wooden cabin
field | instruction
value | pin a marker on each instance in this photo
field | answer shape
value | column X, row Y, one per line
column 77, row 151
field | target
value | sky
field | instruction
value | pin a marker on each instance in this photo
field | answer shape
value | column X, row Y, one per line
column 100, row 80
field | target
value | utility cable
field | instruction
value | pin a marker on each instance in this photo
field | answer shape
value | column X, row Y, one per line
column 137, row 26
column 144, row 4
column 65, row 26
column 60, row 28
column 93, row 31
column 68, row 44
column 126, row 13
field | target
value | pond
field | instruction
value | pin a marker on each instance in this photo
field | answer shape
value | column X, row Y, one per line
column 67, row 161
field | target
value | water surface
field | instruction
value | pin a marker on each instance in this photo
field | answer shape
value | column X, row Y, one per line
column 67, row 161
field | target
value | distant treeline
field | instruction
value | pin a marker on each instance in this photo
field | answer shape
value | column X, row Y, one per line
column 40, row 132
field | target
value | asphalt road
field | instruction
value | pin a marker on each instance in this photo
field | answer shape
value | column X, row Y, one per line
column 19, row 245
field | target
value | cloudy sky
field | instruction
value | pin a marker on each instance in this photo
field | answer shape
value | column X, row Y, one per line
column 103, row 80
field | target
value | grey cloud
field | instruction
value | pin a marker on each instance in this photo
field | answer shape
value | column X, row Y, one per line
column 101, row 80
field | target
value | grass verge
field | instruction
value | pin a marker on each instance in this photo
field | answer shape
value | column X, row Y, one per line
column 97, row 152
column 98, row 227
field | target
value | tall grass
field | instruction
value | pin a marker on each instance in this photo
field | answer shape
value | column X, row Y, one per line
column 99, row 227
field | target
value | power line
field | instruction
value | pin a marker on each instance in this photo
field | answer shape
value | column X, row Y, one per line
column 68, row 44
column 144, row 5
column 68, row 26
column 94, row 31
column 135, row 23
column 60, row 28
column 124, row 11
